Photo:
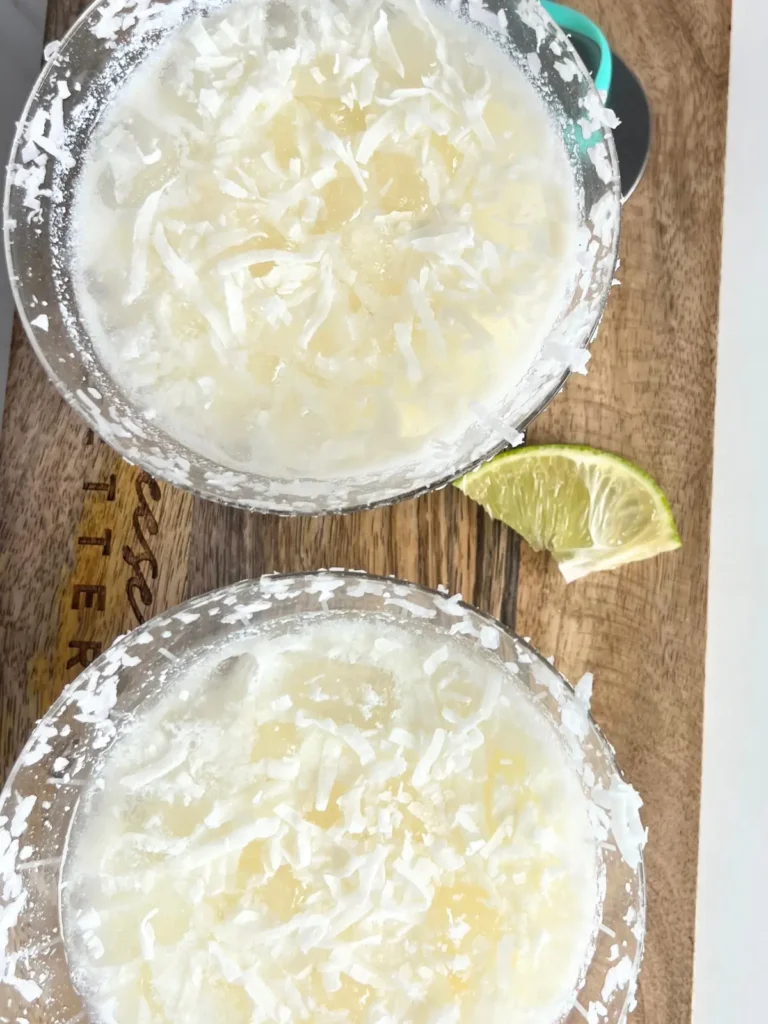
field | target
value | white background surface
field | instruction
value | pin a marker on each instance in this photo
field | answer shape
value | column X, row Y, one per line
column 732, row 927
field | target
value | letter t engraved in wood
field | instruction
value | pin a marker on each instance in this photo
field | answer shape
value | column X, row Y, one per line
column 104, row 542
column 109, row 489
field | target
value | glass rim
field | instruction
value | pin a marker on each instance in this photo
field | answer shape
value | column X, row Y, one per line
column 203, row 488
column 247, row 620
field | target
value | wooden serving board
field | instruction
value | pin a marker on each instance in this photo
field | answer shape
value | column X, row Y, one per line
column 90, row 546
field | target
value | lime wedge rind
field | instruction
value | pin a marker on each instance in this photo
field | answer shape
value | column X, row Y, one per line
column 593, row 510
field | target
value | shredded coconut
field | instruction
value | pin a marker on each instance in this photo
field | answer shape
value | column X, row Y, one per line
column 314, row 847
column 322, row 233
column 328, row 792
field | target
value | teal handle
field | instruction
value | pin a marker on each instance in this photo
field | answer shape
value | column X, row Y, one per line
column 573, row 21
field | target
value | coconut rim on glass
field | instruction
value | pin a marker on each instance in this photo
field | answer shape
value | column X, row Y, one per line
column 71, row 742
column 83, row 73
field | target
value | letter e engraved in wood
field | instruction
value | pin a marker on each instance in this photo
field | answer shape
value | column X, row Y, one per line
column 89, row 592
column 137, row 588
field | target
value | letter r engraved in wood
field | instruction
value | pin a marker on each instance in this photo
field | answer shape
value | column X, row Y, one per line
column 85, row 652
column 104, row 542
column 110, row 488
column 89, row 591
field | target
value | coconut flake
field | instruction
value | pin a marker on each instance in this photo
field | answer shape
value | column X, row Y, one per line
column 428, row 759
column 617, row 978
column 147, row 935
column 403, row 339
column 329, row 766
column 381, row 129
column 623, row 804
column 385, row 45
column 142, row 231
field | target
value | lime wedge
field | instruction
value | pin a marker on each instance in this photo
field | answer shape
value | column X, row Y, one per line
column 590, row 509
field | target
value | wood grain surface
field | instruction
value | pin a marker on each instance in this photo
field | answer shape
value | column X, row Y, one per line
column 89, row 546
